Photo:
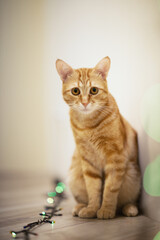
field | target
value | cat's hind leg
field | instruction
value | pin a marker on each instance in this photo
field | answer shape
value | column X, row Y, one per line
column 77, row 208
column 129, row 192
column 77, row 185
column 130, row 210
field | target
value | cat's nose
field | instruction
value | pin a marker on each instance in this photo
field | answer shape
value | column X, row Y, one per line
column 85, row 104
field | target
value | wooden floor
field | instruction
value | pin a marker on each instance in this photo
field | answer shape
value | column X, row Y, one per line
column 23, row 197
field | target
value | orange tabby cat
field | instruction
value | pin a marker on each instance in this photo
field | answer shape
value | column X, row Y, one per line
column 104, row 174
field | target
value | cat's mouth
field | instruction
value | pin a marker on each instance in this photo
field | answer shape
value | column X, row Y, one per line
column 87, row 109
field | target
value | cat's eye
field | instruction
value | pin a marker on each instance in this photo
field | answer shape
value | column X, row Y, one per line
column 75, row 91
column 94, row 90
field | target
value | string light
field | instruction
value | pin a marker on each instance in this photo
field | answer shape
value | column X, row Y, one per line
column 61, row 184
column 46, row 215
column 50, row 200
column 59, row 189
column 53, row 222
column 13, row 234
column 51, row 194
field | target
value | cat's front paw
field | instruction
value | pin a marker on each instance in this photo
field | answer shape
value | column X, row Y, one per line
column 87, row 212
column 104, row 213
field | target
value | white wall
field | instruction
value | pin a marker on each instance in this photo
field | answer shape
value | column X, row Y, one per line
column 83, row 32
column 22, row 128
column 35, row 130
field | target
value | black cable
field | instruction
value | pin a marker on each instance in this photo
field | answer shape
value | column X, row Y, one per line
column 46, row 215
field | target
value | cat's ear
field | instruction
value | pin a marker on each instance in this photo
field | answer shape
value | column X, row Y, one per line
column 63, row 69
column 103, row 66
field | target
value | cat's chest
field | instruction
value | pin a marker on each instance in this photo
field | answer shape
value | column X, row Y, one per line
column 92, row 146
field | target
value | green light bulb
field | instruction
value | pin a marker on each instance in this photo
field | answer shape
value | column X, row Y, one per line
column 59, row 189
column 61, row 184
column 14, row 234
column 52, row 194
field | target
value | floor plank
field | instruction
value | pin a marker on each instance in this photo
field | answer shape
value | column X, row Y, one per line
column 23, row 197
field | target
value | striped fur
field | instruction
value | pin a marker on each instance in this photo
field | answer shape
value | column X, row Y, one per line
column 104, row 174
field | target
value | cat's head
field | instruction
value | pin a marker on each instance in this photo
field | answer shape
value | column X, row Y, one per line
column 84, row 89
